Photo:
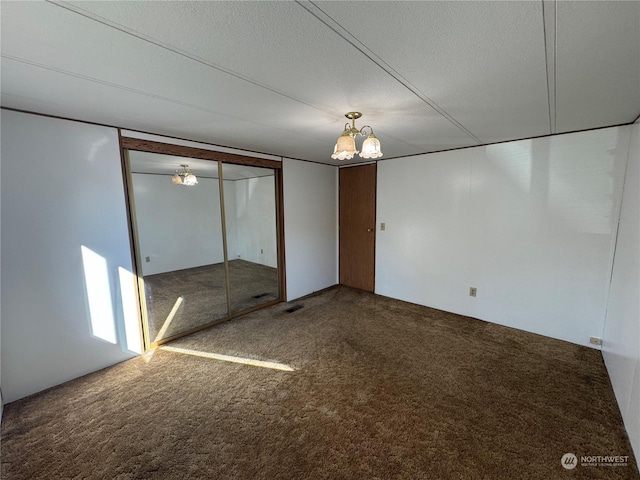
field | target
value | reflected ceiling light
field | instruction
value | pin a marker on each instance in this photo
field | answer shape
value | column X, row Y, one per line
column 185, row 177
column 345, row 147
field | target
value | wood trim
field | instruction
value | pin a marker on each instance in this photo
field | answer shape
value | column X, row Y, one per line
column 225, row 243
column 255, row 308
column 133, row 244
column 316, row 293
column 212, row 324
column 172, row 137
column 200, row 175
column 362, row 164
column 201, row 153
column 506, row 141
column 202, row 142
column 162, row 341
column 59, row 117
column 375, row 223
column 282, row 270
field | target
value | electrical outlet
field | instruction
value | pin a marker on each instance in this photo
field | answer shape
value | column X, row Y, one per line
column 473, row 291
column 147, row 259
column 595, row 340
column 382, row 226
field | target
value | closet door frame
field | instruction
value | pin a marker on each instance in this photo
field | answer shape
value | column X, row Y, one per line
column 127, row 144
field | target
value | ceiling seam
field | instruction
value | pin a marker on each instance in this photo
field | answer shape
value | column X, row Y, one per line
column 140, row 92
column 140, row 36
column 342, row 32
column 111, row 84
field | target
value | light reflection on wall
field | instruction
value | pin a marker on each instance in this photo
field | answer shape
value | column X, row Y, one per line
column 244, row 194
column 96, row 146
column 96, row 277
column 581, row 193
column 514, row 160
column 130, row 308
column 571, row 180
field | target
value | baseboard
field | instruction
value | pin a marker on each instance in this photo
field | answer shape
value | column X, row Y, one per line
column 313, row 294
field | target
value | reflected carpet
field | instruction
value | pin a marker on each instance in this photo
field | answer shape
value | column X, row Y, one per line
column 184, row 299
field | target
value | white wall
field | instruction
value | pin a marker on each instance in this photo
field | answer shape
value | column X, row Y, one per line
column 530, row 224
column 311, row 226
column 255, row 220
column 621, row 339
column 229, row 187
column 178, row 227
column 62, row 190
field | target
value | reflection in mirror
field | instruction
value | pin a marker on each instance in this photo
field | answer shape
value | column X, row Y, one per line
column 250, row 218
column 179, row 241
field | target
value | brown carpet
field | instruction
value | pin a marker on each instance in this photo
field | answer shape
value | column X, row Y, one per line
column 204, row 296
column 380, row 389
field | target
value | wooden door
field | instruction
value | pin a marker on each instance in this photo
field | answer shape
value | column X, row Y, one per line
column 357, row 226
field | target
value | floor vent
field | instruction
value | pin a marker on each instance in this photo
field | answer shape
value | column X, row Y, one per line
column 293, row 309
column 260, row 295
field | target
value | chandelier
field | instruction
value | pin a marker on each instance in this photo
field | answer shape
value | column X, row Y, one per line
column 345, row 147
column 185, row 177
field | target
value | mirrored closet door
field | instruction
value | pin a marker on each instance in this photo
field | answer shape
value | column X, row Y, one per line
column 250, row 214
column 206, row 240
column 179, row 242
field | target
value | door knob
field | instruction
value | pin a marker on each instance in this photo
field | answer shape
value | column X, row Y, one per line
column 369, row 230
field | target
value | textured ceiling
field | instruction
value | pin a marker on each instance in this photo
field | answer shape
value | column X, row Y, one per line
column 278, row 77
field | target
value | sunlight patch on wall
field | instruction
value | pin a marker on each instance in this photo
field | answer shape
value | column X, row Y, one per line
column 96, row 277
column 229, row 358
column 130, row 310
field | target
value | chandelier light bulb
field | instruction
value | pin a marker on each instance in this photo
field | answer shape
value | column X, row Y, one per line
column 185, row 177
column 190, row 180
column 371, row 147
column 345, row 148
